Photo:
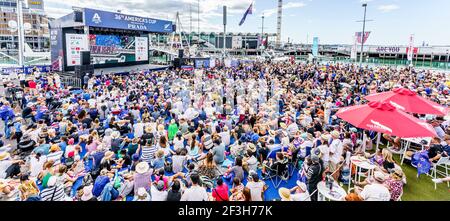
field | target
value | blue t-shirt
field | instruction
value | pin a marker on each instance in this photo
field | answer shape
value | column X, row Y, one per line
column 158, row 163
column 99, row 185
column 44, row 149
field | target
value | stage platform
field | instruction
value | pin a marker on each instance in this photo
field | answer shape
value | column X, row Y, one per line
column 129, row 69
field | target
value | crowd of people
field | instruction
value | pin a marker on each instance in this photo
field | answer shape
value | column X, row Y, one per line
column 215, row 134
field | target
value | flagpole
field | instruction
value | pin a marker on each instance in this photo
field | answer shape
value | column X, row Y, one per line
column 363, row 34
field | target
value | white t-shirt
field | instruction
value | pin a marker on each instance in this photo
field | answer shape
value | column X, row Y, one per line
column 225, row 137
column 138, row 129
column 36, row 165
column 158, row 195
column 336, row 150
column 256, row 188
column 178, row 143
column 325, row 151
column 195, row 193
column 375, row 192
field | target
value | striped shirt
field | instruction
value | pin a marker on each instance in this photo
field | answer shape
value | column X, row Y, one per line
column 55, row 192
column 208, row 143
column 148, row 153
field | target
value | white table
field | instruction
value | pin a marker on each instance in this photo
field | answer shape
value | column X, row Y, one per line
column 324, row 194
column 360, row 163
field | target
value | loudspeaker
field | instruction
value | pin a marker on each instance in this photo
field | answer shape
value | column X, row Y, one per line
column 180, row 54
column 78, row 16
column 174, row 28
column 85, row 58
column 177, row 63
column 81, row 70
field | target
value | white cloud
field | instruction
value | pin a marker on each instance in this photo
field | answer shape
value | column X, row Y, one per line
column 388, row 8
column 273, row 11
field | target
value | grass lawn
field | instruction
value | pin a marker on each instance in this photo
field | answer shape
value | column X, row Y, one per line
column 422, row 188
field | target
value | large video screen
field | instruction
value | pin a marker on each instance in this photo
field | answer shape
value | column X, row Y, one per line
column 114, row 49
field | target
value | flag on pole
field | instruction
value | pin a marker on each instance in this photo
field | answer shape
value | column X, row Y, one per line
column 410, row 49
column 359, row 34
column 249, row 11
column 354, row 49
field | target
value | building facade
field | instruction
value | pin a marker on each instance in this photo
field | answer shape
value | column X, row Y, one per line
column 35, row 22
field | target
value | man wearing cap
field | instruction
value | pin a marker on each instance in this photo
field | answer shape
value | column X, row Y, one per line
column 157, row 191
column 256, row 186
column 314, row 173
column 375, row 191
column 336, row 151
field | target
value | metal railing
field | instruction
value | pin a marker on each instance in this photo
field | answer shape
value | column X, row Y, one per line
column 71, row 82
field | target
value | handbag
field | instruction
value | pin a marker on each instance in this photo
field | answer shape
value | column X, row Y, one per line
column 217, row 193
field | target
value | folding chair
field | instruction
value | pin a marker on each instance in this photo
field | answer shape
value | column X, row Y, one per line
column 443, row 163
column 403, row 146
column 278, row 173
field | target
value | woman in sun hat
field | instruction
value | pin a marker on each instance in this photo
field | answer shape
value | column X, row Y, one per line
column 142, row 177
column 395, row 184
column 285, row 194
column 142, row 195
column 87, row 194
column 107, row 161
column 300, row 192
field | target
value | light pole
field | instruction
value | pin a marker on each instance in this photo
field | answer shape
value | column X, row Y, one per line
column 363, row 33
column 446, row 63
column 224, row 29
column 262, row 34
column 20, row 33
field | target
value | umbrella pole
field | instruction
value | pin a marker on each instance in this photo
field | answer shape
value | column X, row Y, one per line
column 378, row 139
column 364, row 143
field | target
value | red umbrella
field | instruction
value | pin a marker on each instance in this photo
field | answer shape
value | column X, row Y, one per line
column 385, row 118
column 409, row 101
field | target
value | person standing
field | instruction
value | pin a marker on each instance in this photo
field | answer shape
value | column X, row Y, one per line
column 314, row 173
column 256, row 186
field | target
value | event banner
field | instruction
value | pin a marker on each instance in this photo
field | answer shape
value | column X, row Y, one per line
column 315, row 47
column 104, row 19
column 410, row 49
column 354, row 51
column 141, row 48
column 75, row 44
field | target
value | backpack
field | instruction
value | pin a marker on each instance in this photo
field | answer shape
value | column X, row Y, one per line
column 205, row 181
column 115, row 145
column 168, row 167
column 87, row 180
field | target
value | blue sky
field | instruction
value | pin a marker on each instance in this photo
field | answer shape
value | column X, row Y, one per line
column 333, row 21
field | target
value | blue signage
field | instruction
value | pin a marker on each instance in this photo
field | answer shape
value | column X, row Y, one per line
column 104, row 19
column 315, row 47
column 27, row 69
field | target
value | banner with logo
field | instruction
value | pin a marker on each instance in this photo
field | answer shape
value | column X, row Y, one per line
column 354, row 52
column 315, row 47
column 141, row 48
column 410, row 50
column 104, row 19
column 75, row 44
column 359, row 35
